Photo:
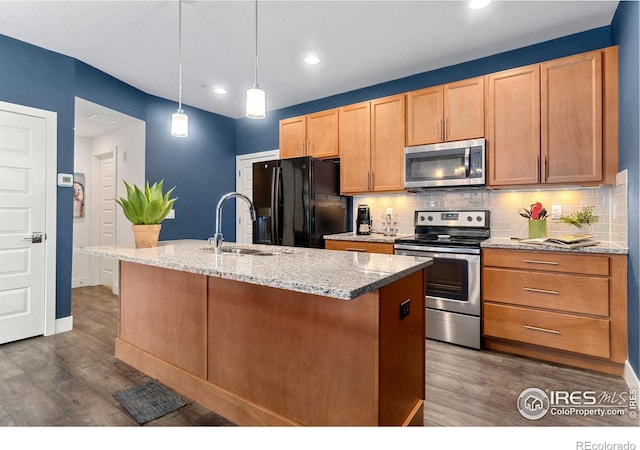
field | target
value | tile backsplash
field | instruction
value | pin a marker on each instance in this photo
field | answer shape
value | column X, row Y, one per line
column 610, row 205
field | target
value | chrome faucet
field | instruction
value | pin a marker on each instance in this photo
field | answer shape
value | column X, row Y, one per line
column 217, row 237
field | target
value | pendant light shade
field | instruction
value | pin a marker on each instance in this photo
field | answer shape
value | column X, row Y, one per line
column 256, row 97
column 179, row 120
column 179, row 124
column 256, row 103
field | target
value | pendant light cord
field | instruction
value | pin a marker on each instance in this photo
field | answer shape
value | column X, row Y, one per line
column 180, row 55
column 255, row 84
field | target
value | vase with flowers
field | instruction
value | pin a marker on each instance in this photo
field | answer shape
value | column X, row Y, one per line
column 537, row 216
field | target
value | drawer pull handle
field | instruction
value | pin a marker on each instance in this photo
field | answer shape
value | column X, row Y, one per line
column 546, row 330
column 352, row 249
column 541, row 291
column 533, row 261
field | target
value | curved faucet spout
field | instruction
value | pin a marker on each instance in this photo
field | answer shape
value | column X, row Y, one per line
column 217, row 237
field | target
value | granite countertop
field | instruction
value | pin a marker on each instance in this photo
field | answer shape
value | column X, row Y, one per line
column 373, row 237
column 605, row 247
column 341, row 275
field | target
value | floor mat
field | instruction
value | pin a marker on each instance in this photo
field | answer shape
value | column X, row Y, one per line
column 149, row 401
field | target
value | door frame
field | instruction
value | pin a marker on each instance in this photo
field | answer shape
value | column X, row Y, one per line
column 110, row 151
column 51, row 211
column 257, row 156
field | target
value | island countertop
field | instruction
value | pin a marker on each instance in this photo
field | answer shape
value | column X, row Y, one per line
column 329, row 273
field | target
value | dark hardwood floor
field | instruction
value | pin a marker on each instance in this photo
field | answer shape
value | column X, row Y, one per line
column 69, row 380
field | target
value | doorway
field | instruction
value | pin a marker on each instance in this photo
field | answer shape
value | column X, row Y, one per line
column 109, row 148
column 244, row 185
column 28, row 209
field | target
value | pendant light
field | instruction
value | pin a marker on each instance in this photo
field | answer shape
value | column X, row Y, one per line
column 256, row 97
column 179, row 120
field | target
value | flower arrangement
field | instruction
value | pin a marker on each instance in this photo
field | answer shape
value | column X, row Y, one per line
column 583, row 217
column 536, row 212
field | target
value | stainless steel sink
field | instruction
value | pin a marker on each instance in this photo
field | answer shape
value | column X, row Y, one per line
column 241, row 251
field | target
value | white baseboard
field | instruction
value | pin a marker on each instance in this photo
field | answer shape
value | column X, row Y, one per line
column 630, row 377
column 64, row 324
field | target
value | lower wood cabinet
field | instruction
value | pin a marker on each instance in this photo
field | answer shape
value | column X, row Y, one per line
column 569, row 308
column 360, row 246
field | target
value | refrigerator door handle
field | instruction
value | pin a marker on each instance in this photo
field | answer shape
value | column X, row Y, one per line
column 275, row 201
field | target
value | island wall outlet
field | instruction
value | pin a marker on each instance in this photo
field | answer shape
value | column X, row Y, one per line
column 556, row 212
column 405, row 308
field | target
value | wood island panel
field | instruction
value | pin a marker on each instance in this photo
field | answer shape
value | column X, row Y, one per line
column 163, row 312
column 309, row 358
column 260, row 355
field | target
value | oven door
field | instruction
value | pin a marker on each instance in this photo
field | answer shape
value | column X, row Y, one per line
column 453, row 280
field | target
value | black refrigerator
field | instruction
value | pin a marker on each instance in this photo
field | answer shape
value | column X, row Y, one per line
column 298, row 201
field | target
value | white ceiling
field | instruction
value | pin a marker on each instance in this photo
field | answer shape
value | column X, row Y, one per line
column 360, row 43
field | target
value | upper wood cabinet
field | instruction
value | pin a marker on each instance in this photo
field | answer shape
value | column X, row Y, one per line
column 571, row 119
column 311, row 135
column 513, row 127
column 555, row 122
column 372, row 136
column 449, row 112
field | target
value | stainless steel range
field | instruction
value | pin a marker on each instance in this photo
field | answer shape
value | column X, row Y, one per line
column 452, row 239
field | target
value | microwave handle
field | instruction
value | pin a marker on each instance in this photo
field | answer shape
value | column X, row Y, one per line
column 467, row 152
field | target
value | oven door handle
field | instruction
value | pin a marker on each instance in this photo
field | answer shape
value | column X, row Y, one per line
column 419, row 250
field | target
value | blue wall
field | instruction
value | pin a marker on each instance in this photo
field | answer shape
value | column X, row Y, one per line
column 202, row 166
column 255, row 136
column 42, row 79
column 626, row 32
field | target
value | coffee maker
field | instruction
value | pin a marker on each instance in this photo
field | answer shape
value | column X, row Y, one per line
column 363, row 220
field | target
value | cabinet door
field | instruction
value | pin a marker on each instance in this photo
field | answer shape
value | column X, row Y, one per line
column 322, row 134
column 513, row 127
column 387, row 143
column 354, row 130
column 464, row 109
column 425, row 109
column 292, row 137
column 572, row 119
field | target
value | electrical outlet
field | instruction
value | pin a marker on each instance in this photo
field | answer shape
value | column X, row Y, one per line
column 556, row 212
column 172, row 214
column 405, row 308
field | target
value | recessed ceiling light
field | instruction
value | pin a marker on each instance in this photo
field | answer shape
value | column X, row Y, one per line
column 478, row 4
column 219, row 90
column 312, row 59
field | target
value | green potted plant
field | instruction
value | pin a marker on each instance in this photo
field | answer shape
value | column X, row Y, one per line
column 581, row 218
column 146, row 209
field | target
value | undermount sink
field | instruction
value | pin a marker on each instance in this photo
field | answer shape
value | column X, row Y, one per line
column 242, row 251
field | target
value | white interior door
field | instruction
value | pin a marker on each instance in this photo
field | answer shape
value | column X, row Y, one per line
column 244, row 185
column 106, row 215
column 23, row 145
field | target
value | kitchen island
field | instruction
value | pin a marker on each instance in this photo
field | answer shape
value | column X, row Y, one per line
column 267, row 335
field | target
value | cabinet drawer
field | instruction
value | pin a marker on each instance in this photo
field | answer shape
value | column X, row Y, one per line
column 571, row 293
column 548, row 261
column 577, row 334
column 359, row 246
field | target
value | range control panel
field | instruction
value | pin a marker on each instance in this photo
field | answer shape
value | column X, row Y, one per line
column 475, row 219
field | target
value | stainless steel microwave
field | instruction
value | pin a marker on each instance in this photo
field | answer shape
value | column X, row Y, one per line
column 448, row 164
